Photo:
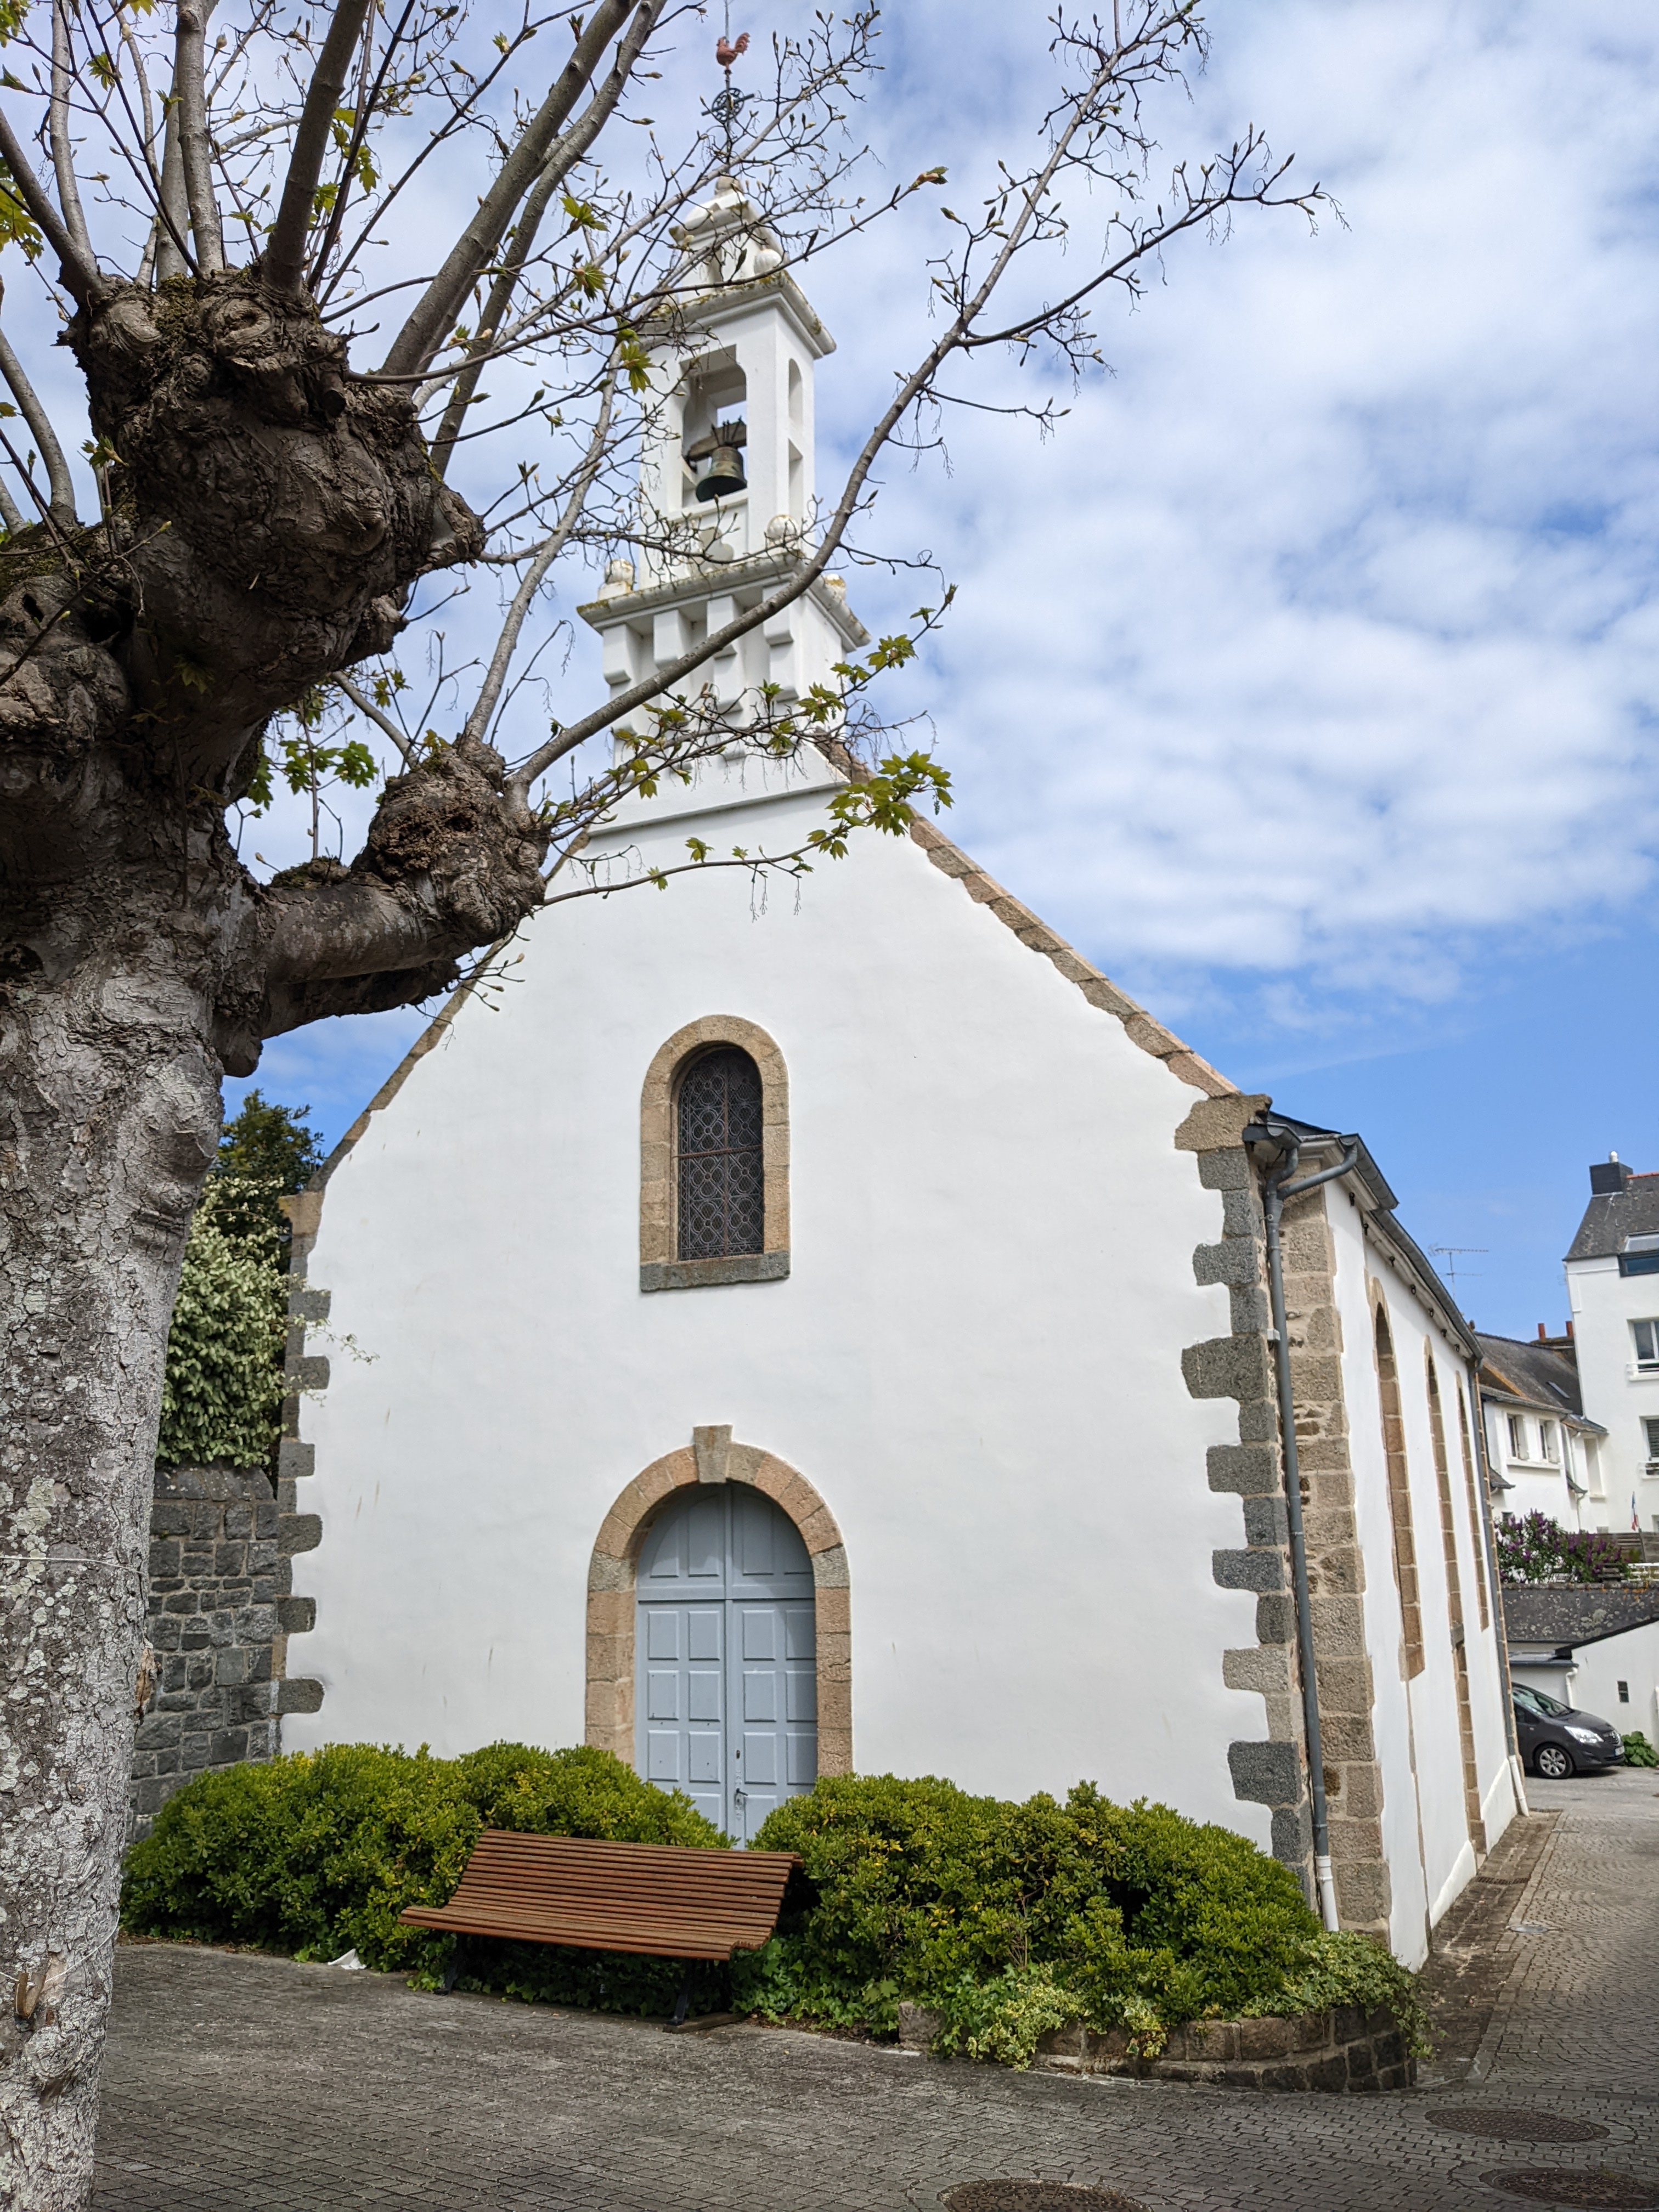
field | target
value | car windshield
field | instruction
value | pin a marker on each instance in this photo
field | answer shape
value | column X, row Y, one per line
column 1538, row 1704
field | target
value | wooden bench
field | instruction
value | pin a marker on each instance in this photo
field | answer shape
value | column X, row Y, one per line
column 661, row 1899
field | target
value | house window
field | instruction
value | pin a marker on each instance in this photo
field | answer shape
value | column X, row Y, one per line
column 1640, row 1256
column 1650, row 1430
column 721, row 1181
column 1646, row 1334
column 1546, row 1440
column 1517, row 1437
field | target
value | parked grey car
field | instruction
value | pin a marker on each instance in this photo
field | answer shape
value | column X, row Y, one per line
column 1557, row 1740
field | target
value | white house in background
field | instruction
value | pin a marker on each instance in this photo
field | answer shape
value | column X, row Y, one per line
column 828, row 1328
column 1544, row 1456
column 1613, row 1286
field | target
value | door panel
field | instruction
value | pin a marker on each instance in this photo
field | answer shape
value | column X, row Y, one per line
column 727, row 1690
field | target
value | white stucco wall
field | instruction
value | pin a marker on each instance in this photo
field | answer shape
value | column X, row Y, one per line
column 1426, row 1831
column 1613, row 1391
column 975, row 1358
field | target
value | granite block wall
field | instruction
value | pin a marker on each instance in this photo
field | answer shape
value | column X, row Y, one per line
column 217, row 1582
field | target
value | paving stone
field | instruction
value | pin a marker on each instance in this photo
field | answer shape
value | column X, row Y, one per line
column 241, row 2081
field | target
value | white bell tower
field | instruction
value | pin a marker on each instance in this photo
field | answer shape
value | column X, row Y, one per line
column 725, row 479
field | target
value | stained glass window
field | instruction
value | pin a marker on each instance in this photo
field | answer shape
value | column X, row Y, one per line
column 722, row 1198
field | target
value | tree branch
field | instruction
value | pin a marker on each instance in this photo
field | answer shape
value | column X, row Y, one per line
column 366, row 707
column 57, row 130
column 1029, row 198
column 82, row 274
column 59, row 482
column 369, row 83
column 196, row 146
column 478, row 722
column 565, row 154
column 285, row 254
column 435, row 312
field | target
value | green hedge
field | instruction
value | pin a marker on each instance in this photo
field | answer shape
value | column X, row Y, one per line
column 1008, row 1919
column 1012, row 1918
column 318, row 1853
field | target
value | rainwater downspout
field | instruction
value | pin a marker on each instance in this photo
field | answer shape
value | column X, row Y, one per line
column 1277, row 1186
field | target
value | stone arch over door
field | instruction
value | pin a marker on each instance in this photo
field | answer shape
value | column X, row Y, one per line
column 712, row 1457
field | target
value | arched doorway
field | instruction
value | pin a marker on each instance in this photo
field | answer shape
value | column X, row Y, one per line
column 726, row 1656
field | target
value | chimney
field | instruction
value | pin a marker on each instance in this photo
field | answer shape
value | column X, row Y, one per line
column 1609, row 1176
column 1543, row 1334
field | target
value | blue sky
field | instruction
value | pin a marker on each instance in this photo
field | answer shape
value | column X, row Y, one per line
column 1305, row 677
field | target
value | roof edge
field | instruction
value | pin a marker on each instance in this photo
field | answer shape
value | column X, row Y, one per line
column 1139, row 1026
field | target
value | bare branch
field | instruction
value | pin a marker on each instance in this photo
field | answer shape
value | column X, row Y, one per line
column 82, row 274
column 173, row 254
column 366, row 707
column 58, row 128
column 195, row 147
column 370, row 82
column 478, row 722
column 435, row 312
column 565, row 155
column 10, row 514
column 62, row 488
column 285, row 255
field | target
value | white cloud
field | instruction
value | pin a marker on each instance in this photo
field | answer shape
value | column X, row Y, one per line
column 1323, row 632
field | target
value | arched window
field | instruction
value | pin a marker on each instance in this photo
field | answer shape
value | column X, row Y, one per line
column 1400, row 1498
column 715, row 1158
column 719, row 1169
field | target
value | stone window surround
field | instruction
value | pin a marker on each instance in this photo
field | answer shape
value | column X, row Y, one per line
column 661, row 1268
column 712, row 1457
column 1407, row 1578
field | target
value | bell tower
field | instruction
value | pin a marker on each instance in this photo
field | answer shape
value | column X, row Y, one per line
column 726, row 475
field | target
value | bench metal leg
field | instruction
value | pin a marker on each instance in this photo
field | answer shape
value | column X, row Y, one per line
column 456, row 1960
column 683, row 2001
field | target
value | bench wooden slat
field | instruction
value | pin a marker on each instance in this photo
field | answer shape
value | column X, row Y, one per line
column 660, row 1900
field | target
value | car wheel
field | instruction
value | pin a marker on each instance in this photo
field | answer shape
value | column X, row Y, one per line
column 1554, row 1763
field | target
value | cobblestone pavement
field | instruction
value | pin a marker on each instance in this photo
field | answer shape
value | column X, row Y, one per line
column 246, row 2084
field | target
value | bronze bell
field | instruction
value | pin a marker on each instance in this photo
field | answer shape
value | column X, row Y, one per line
column 724, row 474
column 718, row 460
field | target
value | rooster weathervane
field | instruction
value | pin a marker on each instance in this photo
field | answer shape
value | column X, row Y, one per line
column 726, row 109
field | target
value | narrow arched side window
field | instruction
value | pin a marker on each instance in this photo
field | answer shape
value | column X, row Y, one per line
column 719, row 1170
column 715, row 1158
column 1455, row 1606
column 1400, row 1498
column 1476, row 1530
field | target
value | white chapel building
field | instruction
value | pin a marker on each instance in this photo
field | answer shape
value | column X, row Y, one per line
column 825, row 1331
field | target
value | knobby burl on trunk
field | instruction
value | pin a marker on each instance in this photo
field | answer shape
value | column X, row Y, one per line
column 267, row 514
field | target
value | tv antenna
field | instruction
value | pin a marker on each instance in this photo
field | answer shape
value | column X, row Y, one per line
column 1451, row 1253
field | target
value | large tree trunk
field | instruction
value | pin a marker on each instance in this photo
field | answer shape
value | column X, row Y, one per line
column 269, row 515
column 108, row 1116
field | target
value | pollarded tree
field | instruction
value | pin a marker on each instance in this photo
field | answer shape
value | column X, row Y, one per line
column 232, row 217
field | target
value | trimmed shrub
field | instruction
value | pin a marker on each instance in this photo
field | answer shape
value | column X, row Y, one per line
column 318, row 1853
column 1009, row 1918
column 1638, row 1751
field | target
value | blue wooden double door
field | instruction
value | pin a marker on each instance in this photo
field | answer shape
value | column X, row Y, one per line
column 727, row 1645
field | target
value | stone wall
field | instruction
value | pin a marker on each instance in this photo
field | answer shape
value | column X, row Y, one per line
column 219, row 1616
column 1343, row 2049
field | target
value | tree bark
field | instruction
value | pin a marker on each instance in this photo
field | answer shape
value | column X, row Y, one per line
column 269, row 515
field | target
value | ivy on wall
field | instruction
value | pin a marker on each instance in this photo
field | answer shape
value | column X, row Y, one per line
column 222, row 1391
